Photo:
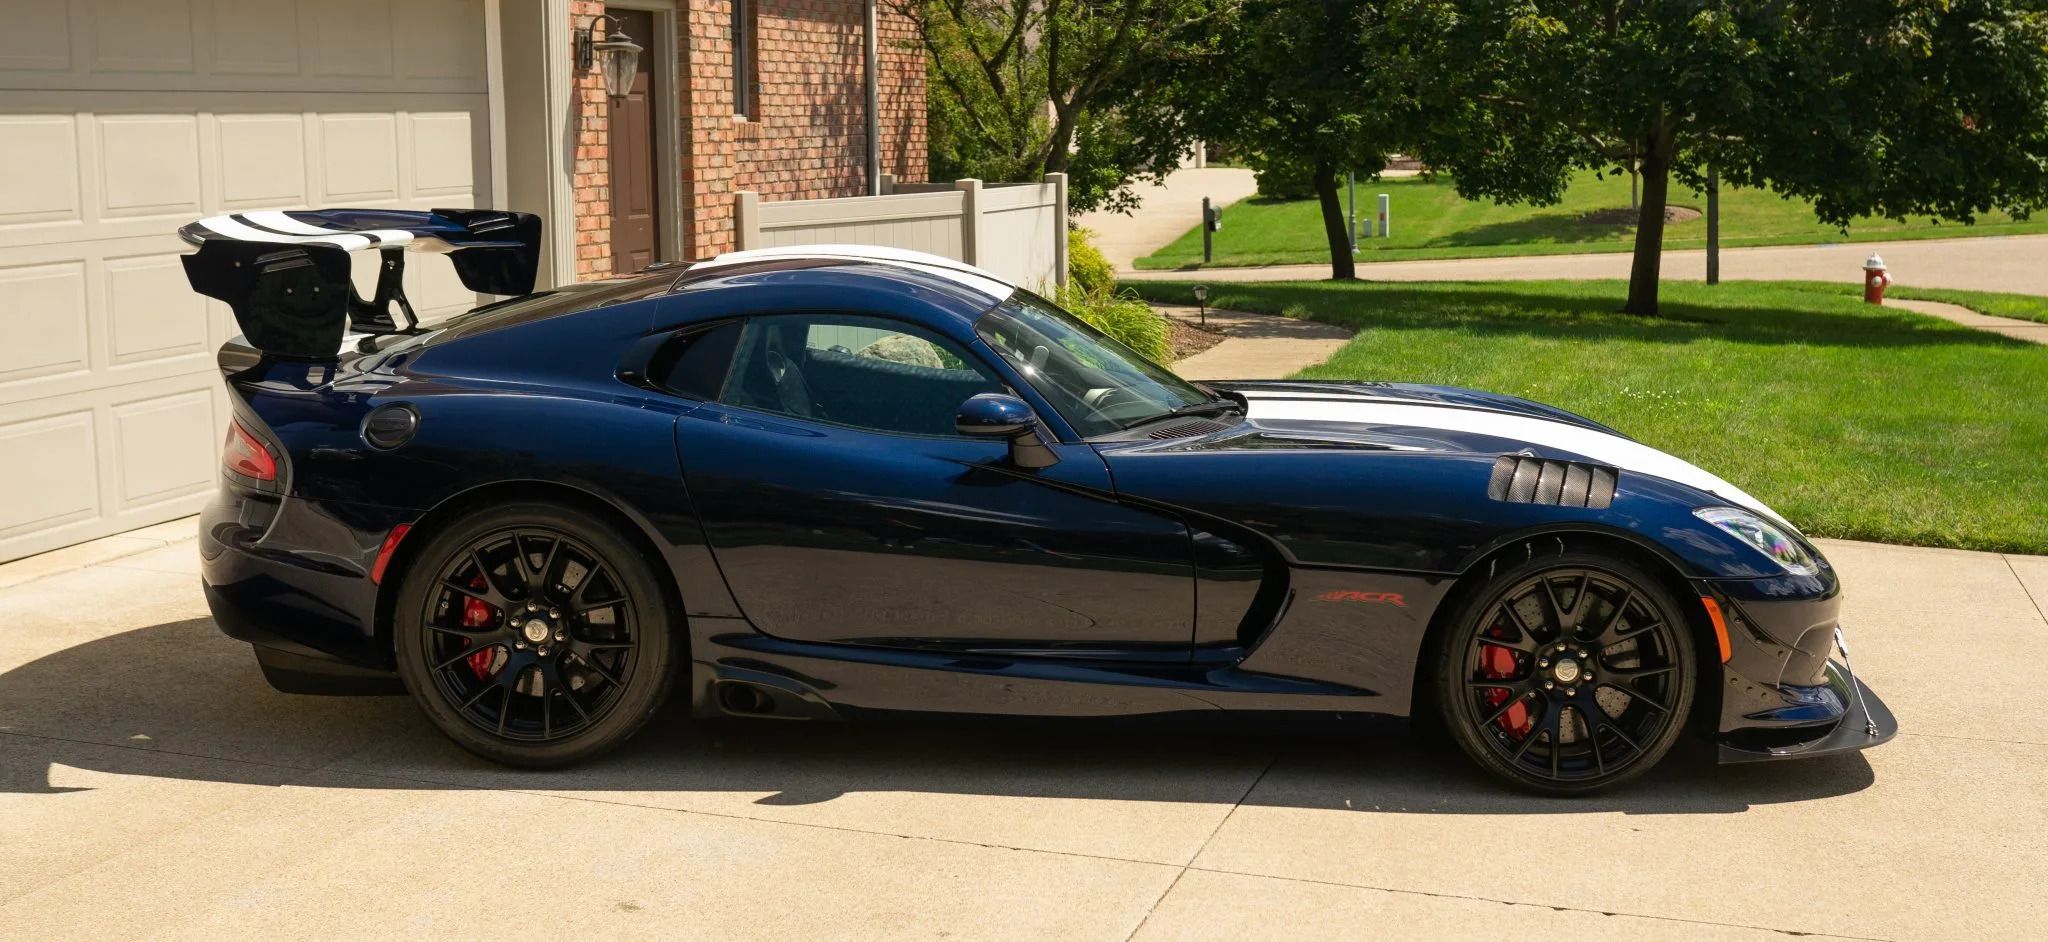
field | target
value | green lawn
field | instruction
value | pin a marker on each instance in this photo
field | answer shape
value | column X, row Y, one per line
column 1854, row 421
column 1432, row 221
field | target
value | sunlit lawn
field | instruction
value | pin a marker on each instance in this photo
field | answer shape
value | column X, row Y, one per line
column 1854, row 421
column 1432, row 221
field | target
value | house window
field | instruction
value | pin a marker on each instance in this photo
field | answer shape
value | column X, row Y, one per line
column 745, row 81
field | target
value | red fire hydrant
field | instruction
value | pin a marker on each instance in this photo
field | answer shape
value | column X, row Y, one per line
column 1875, row 279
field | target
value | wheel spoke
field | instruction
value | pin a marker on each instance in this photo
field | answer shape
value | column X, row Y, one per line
column 519, row 561
column 547, row 566
column 1636, row 696
column 1515, row 615
column 1524, row 644
column 570, row 695
column 1593, row 735
column 463, row 655
column 1604, row 636
column 489, row 594
column 487, row 687
column 600, row 670
column 1556, row 730
column 1506, row 705
column 1635, row 674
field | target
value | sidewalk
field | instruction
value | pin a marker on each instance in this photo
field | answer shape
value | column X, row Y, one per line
column 1166, row 210
column 1256, row 346
column 1995, row 263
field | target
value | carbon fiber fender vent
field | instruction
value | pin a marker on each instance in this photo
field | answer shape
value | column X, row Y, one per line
column 1188, row 429
column 1519, row 479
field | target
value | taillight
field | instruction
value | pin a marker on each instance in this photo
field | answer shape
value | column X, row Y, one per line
column 246, row 456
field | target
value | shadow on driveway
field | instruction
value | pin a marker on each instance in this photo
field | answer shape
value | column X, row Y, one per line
column 184, row 689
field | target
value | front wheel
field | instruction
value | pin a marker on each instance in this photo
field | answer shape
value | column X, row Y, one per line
column 533, row 635
column 1567, row 674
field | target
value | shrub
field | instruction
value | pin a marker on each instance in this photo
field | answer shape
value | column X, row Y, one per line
column 1086, row 268
column 1282, row 177
column 1123, row 316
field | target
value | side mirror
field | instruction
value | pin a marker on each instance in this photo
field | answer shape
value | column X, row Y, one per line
column 995, row 415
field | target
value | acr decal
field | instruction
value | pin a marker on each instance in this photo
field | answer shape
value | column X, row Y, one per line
column 1355, row 595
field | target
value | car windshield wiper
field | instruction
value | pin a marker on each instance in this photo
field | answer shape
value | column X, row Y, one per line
column 1220, row 404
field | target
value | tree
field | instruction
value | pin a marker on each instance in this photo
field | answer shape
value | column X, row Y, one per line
column 1022, row 88
column 1897, row 108
column 1301, row 84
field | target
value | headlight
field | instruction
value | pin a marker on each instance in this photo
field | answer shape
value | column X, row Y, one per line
column 1764, row 536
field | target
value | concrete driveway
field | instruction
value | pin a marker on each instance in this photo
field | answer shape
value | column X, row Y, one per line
column 152, row 786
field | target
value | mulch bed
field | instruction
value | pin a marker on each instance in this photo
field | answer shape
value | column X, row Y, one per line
column 1187, row 339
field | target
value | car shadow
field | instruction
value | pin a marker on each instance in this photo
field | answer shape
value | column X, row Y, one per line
column 181, row 700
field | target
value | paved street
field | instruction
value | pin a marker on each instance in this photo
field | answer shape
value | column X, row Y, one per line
column 152, row 786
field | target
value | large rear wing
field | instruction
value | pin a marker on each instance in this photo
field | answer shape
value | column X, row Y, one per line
column 286, row 274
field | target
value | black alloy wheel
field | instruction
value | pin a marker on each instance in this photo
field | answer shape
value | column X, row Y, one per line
column 533, row 635
column 1568, row 674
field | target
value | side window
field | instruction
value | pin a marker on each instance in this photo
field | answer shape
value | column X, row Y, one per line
column 861, row 371
column 694, row 363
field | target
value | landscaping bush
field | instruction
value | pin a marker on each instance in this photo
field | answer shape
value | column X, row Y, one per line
column 1086, row 268
column 1123, row 316
column 1282, row 177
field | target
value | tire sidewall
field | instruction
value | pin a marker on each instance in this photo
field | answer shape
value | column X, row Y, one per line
column 650, row 673
column 1456, row 711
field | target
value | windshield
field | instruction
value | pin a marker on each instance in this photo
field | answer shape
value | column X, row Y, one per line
column 1097, row 384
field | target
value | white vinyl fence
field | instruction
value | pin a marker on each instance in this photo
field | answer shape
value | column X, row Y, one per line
column 1016, row 230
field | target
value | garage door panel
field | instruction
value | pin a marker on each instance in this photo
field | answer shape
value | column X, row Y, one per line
column 149, row 165
column 358, row 158
column 262, row 163
column 141, row 35
column 442, row 160
column 43, row 316
column 353, row 40
column 154, row 449
column 39, row 172
column 152, row 312
column 121, row 120
column 37, row 37
column 432, row 45
column 254, row 37
column 47, row 490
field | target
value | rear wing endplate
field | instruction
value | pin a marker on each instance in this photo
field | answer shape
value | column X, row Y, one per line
column 286, row 274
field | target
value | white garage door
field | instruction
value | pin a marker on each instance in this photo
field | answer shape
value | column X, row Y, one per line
column 121, row 120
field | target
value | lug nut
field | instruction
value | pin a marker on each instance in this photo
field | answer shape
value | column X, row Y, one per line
column 554, row 613
column 561, row 636
column 543, row 652
column 1547, row 685
column 1543, row 662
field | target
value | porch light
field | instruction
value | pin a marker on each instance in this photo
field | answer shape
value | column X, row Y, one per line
column 616, row 54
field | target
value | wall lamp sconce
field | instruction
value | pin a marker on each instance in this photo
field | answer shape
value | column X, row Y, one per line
column 615, row 53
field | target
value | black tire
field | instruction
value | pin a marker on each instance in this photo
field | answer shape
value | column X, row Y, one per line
column 520, row 614
column 1575, row 713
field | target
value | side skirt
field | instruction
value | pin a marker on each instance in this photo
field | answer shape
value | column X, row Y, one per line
column 736, row 670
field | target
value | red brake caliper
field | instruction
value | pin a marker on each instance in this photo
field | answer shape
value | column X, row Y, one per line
column 1498, row 663
column 477, row 614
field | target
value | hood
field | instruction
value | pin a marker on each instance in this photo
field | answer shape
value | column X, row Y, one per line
column 1408, row 417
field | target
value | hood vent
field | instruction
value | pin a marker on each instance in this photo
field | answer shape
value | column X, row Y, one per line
column 1187, row 429
column 1520, row 479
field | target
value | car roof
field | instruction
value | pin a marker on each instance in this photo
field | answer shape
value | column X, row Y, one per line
column 938, row 291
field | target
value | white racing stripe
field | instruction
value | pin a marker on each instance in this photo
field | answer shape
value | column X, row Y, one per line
column 1594, row 445
column 232, row 228
column 960, row 273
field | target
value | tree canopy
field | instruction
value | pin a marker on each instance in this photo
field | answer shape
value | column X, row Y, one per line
column 1888, row 108
column 1020, row 88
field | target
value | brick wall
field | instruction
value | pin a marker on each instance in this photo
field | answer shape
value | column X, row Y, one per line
column 589, row 177
column 807, row 139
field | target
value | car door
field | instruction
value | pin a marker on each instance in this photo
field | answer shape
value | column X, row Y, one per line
column 842, row 507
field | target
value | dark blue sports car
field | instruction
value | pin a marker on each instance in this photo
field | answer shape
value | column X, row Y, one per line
column 822, row 482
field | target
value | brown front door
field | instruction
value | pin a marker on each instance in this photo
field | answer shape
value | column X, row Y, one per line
column 636, row 217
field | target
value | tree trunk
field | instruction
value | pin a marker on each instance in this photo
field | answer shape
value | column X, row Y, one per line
column 1342, row 266
column 1649, row 256
column 1059, row 148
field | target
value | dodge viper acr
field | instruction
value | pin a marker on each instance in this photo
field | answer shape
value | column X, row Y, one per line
column 833, row 481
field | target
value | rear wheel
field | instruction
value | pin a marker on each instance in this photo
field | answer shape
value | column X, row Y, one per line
column 1567, row 674
column 533, row 635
